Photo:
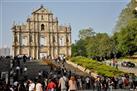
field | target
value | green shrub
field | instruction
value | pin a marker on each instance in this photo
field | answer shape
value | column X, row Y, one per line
column 98, row 67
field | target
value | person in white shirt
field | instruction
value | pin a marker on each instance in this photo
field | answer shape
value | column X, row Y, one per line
column 25, row 69
column 62, row 83
column 31, row 86
column 87, row 82
column 15, row 83
column 39, row 86
column 17, row 68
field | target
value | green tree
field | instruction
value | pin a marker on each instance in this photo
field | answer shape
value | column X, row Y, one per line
column 127, row 14
column 74, row 49
column 105, row 44
column 84, row 33
column 91, row 46
column 115, row 42
column 78, row 49
column 127, row 38
column 100, row 45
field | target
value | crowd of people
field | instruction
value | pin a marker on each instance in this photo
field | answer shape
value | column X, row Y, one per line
column 61, row 79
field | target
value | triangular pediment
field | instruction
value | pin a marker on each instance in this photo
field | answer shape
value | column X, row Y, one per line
column 41, row 10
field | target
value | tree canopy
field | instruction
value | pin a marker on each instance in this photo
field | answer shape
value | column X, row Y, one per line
column 127, row 38
column 93, row 44
column 126, row 15
column 100, row 45
column 84, row 33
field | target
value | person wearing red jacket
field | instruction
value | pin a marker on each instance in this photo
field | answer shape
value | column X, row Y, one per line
column 51, row 86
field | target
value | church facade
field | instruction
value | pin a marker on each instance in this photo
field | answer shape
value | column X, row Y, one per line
column 41, row 36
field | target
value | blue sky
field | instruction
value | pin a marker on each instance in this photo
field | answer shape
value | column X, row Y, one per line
column 101, row 15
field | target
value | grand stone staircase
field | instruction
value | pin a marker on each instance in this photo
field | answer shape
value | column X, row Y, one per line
column 72, row 68
column 35, row 66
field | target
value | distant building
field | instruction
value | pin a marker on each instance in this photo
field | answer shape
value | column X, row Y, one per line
column 5, row 51
column 41, row 36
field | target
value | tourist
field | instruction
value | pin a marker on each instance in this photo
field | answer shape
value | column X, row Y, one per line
column 120, row 83
column 22, row 87
column 79, row 81
column 31, row 85
column 11, row 88
column 63, row 82
column 131, row 85
column 104, row 84
column 39, row 86
column 98, row 84
column 87, row 80
column 51, row 85
column 25, row 70
column 110, row 84
column 17, row 71
column 45, row 82
column 72, row 84
column 24, row 58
